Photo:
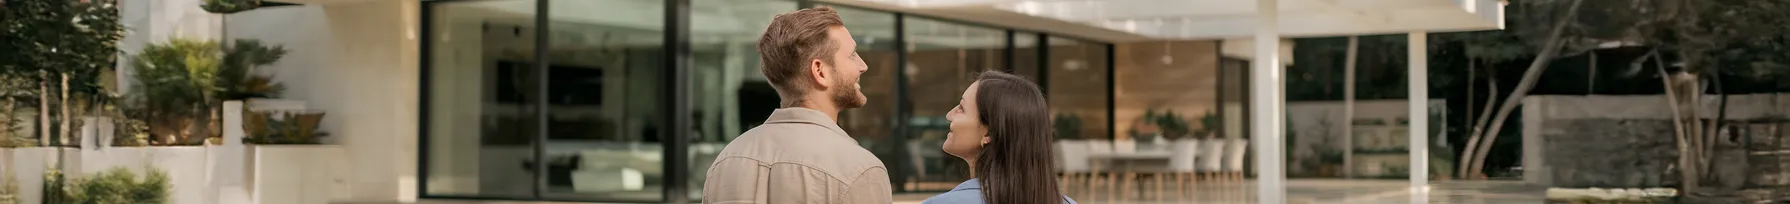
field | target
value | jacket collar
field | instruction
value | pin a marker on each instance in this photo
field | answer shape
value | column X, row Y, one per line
column 971, row 184
column 807, row 116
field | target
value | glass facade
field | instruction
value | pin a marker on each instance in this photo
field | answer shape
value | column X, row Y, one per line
column 579, row 100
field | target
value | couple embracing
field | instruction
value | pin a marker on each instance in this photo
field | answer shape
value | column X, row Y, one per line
column 1001, row 127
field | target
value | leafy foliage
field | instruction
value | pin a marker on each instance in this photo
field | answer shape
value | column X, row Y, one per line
column 229, row 6
column 9, row 190
column 75, row 38
column 180, row 81
column 118, row 185
column 173, row 84
column 1068, row 126
column 291, row 128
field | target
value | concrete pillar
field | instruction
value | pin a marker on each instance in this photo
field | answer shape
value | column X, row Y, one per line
column 1268, row 108
column 1417, row 47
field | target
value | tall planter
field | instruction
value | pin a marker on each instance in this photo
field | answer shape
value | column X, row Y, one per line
column 297, row 174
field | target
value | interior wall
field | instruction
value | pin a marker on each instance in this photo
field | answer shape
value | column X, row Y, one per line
column 1179, row 76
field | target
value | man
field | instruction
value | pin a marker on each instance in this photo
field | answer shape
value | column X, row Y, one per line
column 800, row 155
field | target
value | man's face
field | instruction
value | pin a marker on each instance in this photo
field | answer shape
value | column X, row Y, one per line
column 848, row 66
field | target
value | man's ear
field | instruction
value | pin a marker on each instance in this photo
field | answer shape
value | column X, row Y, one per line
column 817, row 71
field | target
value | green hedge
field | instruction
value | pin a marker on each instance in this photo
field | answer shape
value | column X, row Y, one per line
column 118, row 185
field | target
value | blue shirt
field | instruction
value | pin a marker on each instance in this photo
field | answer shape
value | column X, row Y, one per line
column 969, row 192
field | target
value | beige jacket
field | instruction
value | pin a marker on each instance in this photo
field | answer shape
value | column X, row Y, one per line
column 799, row 155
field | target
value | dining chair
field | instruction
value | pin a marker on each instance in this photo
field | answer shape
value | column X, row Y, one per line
column 1233, row 160
column 1096, row 171
column 1182, row 165
column 1211, row 157
column 1072, row 161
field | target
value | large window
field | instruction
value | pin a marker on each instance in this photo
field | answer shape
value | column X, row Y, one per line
column 600, row 85
column 480, row 131
column 575, row 105
column 943, row 59
column 1078, row 85
column 729, row 93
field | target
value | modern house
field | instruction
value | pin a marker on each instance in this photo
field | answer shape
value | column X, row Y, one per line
column 628, row 100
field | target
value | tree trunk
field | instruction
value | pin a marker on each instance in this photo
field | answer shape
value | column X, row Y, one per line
column 1688, row 172
column 1591, row 83
column 1349, row 105
column 62, row 103
column 43, row 109
column 1491, row 100
column 1549, row 50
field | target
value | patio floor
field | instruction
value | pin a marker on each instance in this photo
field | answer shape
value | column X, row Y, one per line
column 1314, row 191
column 1298, row 191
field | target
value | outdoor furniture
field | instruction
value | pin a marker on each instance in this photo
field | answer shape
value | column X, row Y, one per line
column 1211, row 157
column 1126, row 164
column 1181, row 165
column 1072, row 160
column 1096, row 171
column 1233, row 157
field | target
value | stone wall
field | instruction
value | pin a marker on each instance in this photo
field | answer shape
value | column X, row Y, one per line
column 1611, row 153
column 1628, row 141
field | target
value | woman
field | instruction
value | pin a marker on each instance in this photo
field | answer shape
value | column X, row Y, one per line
column 1001, row 128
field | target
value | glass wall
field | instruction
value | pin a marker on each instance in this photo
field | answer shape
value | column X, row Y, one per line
column 1079, row 86
column 480, row 129
column 943, row 59
column 578, row 111
column 604, row 139
column 730, row 93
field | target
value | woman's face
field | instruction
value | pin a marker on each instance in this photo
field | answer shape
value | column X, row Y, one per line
column 968, row 134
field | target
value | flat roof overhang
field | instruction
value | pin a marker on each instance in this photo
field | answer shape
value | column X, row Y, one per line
column 1142, row 20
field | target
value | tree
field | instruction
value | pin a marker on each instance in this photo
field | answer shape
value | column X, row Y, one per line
column 61, row 46
column 1709, row 39
column 1486, row 132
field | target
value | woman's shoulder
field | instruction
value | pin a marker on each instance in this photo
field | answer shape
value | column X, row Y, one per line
column 971, row 196
column 968, row 197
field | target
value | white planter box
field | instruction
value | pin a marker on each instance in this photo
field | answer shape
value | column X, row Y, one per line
column 297, row 174
column 26, row 166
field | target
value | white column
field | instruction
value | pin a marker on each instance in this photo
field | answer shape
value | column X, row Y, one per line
column 1267, row 106
column 1418, row 48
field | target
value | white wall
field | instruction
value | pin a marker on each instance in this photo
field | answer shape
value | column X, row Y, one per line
column 357, row 60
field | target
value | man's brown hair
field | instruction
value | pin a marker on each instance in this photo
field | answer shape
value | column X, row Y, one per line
column 789, row 43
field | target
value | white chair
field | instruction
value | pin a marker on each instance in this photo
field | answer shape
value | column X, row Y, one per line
column 1211, row 157
column 1182, row 164
column 1096, row 176
column 1072, row 161
column 1233, row 157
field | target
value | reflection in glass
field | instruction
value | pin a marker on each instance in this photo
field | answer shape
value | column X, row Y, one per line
column 606, row 111
column 1078, row 79
column 1025, row 55
column 481, row 129
column 943, row 60
column 872, row 125
column 730, row 94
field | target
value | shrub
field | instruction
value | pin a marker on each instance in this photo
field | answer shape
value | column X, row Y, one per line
column 9, row 190
column 117, row 185
column 289, row 128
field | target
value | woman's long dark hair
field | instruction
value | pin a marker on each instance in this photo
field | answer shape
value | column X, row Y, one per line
column 1017, row 165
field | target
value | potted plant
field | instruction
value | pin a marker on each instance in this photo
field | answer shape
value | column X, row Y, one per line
column 284, row 140
column 1068, row 126
column 234, row 6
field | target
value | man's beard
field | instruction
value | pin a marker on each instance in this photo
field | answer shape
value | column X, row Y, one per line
column 847, row 95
